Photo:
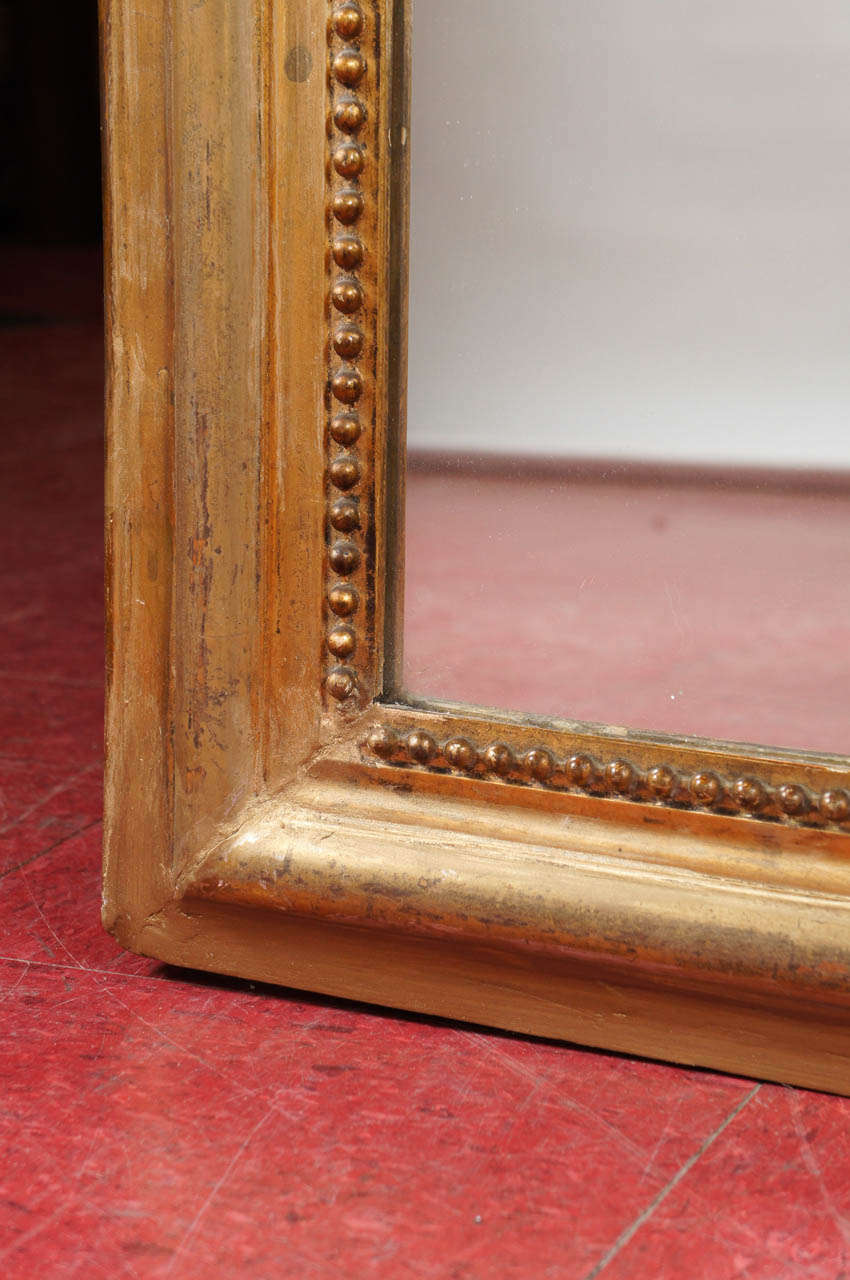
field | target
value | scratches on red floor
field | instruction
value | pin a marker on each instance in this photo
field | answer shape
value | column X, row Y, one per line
column 650, row 1209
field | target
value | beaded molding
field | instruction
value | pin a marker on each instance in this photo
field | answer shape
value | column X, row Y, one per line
column 617, row 778
column 349, row 386
column 352, row 192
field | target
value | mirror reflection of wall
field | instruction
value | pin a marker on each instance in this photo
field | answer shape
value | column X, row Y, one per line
column 629, row 384
column 629, row 230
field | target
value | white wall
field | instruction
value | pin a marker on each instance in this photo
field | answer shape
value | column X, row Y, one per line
column 631, row 229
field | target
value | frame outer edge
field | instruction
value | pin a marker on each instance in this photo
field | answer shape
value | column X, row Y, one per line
column 136, row 54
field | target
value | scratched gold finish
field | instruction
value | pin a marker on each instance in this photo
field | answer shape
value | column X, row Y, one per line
column 274, row 808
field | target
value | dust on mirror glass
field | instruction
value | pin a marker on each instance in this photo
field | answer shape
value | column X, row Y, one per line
column 629, row 364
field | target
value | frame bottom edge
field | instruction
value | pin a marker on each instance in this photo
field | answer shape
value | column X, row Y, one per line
column 783, row 1040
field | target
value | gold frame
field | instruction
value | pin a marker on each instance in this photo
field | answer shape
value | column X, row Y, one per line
column 275, row 809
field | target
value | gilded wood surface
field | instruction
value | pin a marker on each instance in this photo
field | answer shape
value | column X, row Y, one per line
column 140, row 560
column 273, row 807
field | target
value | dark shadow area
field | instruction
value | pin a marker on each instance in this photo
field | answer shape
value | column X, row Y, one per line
column 50, row 191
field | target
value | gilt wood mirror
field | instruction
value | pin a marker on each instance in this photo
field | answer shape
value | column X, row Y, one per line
column 477, row 510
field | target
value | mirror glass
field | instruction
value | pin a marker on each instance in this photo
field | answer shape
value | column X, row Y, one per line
column 629, row 364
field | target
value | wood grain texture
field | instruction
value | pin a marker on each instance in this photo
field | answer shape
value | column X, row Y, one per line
column 263, row 824
column 140, row 560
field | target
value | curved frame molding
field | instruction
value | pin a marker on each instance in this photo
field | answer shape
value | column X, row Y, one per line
column 275, row 807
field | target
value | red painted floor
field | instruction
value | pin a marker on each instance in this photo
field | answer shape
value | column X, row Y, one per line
column 161, row 1124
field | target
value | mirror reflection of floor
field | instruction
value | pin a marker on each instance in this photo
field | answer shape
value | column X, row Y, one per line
column 648, row 598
